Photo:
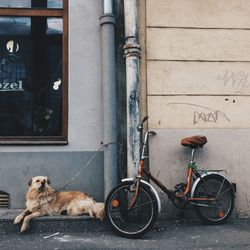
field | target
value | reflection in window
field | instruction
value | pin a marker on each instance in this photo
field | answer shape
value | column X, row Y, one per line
column 15, row 25
column 31, row 4
column 30, row 76
column 55, row 4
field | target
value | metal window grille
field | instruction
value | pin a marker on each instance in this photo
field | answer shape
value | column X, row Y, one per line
column 4, row 199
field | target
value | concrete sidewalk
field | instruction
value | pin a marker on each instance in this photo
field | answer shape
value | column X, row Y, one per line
column 50, row 223
column 81, row 232
column 169, row 235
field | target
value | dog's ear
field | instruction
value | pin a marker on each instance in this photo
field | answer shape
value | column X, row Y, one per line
column 48, row 181
column 30, row 181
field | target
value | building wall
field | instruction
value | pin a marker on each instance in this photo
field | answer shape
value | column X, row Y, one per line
column 197, row 76
column 19, row 163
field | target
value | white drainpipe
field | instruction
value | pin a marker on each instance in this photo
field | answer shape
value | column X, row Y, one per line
column 132, row 54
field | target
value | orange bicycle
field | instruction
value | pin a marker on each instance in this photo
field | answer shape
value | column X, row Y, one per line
column 132, row 207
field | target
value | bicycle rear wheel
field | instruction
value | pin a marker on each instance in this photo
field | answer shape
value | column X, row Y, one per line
column 218, row 210
column 131, row 222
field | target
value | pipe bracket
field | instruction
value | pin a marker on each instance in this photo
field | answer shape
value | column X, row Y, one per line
column 132, row 49
column 108, row 19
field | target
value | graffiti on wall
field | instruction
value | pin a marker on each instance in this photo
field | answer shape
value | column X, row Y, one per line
column 205, row 114
column 237, row 80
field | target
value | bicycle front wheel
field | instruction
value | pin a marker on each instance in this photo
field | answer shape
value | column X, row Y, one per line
column 131, row 222
column 220, row 194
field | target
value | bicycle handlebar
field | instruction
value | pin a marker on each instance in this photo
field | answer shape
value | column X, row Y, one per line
column 152, row 132
column 140, row 126
column 144, row 119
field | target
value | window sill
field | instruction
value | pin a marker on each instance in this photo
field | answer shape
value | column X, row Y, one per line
column 25, row 141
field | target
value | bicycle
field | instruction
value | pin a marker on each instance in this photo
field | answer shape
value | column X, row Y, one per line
column 133, row 206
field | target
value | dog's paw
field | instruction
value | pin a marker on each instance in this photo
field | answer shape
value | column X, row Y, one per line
column 24, row 227
column 91, row 215
column 100, row 217
column 18, row 219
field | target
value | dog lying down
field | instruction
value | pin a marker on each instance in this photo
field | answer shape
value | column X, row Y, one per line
column 41, row 199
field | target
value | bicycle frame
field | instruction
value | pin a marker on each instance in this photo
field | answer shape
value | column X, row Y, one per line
column 152, row 189
column 188, row 193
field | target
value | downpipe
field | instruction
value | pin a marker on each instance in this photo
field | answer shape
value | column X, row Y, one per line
column 107, row 21
column 132, row 55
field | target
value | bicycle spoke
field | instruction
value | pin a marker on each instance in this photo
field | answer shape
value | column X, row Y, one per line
column 141, row 205
column 229, row 189
column 220, row 188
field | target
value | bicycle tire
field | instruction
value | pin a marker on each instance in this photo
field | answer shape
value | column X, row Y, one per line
column 214, row 212
column 136, row 221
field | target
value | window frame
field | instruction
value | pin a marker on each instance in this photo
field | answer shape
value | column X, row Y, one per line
column 62, row 13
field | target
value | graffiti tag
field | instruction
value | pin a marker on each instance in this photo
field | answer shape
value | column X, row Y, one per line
column 209, row 115
column 236, row 79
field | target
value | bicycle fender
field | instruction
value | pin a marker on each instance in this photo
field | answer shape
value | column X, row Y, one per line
column 203, row 175
column 151, row 188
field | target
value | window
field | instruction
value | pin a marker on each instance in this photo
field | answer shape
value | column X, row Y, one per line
column 33, row 71
column 32, row 4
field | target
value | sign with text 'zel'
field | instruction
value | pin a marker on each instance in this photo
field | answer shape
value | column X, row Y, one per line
column 11, row 86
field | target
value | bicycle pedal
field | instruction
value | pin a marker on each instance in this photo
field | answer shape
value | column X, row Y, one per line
column 180, row 187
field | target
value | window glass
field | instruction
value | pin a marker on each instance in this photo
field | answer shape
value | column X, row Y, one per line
column 55, row 4
column 31, row 4
column 30, row 76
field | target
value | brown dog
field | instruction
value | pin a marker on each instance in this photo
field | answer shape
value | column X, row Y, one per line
column 41, row 199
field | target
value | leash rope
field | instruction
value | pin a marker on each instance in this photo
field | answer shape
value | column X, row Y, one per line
column 85, row 166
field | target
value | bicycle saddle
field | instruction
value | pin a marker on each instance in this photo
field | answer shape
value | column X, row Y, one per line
column 194, row 141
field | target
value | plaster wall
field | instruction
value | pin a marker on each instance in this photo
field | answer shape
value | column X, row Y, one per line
column 196, row 65
column 19, row 163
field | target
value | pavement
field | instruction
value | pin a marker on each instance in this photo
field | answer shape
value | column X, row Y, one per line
column 68, row 233
column 49, row 224
column 165, row 236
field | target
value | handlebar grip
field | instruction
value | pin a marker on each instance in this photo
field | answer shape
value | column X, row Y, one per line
column 140, row 126
column 145, row 119
column 152, row 132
